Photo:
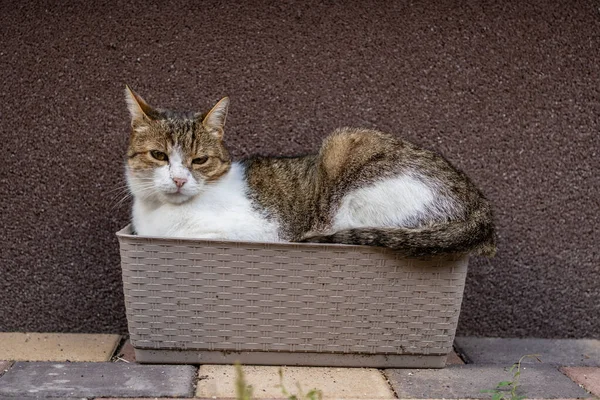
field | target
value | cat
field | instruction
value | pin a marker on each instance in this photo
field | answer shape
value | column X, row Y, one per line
column 363, row 187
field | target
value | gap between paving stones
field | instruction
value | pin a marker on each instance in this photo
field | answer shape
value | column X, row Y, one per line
column 390, row 386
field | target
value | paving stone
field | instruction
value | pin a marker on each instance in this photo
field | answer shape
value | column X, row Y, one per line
column 454, row 359
column 45, row 379
column 126, row 353
column 47, row 398
column 19, row 346
column 467, row 381
column 339, row 383
column 588, row 377
column 4, row 365
column 27, row 397
column 561, row 352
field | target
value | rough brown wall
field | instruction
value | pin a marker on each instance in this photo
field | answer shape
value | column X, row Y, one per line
column 508, row 91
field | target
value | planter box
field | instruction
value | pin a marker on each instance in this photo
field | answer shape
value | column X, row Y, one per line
column 218, row 302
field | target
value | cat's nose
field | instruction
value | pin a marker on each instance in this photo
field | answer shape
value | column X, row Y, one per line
column 179, row 181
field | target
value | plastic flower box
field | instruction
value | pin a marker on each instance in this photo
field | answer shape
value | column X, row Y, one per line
column 218, row 302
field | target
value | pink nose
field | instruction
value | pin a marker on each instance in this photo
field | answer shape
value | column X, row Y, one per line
column 179, row 181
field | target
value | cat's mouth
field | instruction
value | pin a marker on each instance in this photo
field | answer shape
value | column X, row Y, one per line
column 177, row 197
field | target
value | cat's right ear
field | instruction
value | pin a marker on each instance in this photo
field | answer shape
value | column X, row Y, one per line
column 139, row 110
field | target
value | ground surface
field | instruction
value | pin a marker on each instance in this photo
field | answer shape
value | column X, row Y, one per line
column 42, row 367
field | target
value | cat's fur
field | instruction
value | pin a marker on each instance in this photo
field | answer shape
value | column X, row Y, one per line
column 362, row 187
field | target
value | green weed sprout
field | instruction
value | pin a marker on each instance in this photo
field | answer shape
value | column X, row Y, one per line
column 244, row 390
column 501, row 391
column 313, row 394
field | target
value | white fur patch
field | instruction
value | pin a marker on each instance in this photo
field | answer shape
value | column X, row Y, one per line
column 142, row 128
column 406, row 200
column 157, row 185
column 176, row 167
column 222, row 210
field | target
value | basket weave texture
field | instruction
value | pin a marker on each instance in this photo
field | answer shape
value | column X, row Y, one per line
column 207, row 295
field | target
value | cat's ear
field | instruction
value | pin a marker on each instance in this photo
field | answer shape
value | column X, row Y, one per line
column 214, row 122
column 139, row 110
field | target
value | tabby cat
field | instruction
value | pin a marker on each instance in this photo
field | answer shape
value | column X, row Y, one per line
column 362, row 187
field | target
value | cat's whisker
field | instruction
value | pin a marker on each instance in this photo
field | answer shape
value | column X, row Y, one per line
column 120, row 187
column 123, row 197
column 121, row 201
column 119, row 193
column 126, row 190
column 145, row 196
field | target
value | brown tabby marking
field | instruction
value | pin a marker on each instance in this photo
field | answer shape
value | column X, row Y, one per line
column 164, row 131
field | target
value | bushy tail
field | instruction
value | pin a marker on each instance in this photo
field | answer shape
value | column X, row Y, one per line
column 474, row 236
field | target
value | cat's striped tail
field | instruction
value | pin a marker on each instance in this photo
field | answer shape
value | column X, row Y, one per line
column 474, row 236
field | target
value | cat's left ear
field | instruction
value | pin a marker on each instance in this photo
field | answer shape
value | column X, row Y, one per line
column 214, row 122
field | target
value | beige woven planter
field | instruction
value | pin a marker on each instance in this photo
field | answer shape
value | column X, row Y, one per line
column 205, row 301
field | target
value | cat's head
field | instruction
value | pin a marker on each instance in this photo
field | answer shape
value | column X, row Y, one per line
column 172, row 157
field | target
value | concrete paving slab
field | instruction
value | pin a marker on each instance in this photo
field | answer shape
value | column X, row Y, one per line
column 45, row 398
column 561, row 352
column 126, row 353
column 335, row 383
column 4, row 365
column 467, row 381
column 454, row 359
column 45, row 379
column 19, row 346
column 588, row 377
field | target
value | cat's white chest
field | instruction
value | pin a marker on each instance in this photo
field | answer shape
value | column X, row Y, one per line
column 223, row 211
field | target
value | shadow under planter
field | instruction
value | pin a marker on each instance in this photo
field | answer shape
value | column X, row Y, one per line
column 219, row 302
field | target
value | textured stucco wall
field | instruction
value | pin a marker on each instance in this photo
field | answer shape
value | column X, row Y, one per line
column 508, row 91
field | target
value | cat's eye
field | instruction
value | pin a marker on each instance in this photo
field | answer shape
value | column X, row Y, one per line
column 200, row 160
column 159, row 155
